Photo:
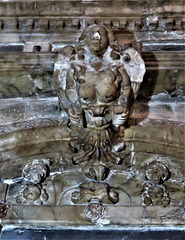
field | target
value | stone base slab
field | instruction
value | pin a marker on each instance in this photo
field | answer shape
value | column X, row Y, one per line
column 69, row 216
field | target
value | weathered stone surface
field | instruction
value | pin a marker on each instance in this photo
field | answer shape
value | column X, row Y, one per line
column 39, row 179
column 3, row 188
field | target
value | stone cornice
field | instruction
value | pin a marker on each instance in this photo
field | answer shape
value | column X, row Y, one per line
column 57, row 24
column 91, row 8
column 56, row 16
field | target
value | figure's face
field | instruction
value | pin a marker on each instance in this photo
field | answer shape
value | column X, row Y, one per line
column 97, row 40
column 154, row 175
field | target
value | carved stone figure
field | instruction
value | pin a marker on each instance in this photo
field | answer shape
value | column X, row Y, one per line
column 154, row 191
column 96, row 83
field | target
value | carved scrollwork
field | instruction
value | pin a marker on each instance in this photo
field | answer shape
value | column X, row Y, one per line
column 95, row 190
column 154, row 190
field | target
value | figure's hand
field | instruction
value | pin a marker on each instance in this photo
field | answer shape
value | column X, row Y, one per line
column 75, row 115
column 120, row 116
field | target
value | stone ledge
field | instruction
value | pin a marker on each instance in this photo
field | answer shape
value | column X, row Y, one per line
column 16, row 111
column 55, row 216
column 46, row 60
column 31, row 74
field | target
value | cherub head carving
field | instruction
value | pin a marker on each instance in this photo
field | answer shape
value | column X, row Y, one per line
column 157, row 172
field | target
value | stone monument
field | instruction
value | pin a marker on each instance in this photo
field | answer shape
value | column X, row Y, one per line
column 91, row 119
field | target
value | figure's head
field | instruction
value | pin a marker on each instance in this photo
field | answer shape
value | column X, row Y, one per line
column 97, row 40
column 157, row 172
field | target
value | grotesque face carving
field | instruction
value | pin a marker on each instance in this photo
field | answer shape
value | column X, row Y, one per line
column 97, row 40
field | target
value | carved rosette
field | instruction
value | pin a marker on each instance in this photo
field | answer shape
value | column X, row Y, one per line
column 32, row 195
column 36, row 171
column 94, row 210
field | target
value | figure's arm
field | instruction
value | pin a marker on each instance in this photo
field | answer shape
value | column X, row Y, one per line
column 126, row 98
column 125, row 101
column 67, row 92
column 75, row 111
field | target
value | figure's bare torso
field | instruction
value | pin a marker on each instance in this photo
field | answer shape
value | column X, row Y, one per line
column 98, row 87
column 100, row 83
column 98, row 91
